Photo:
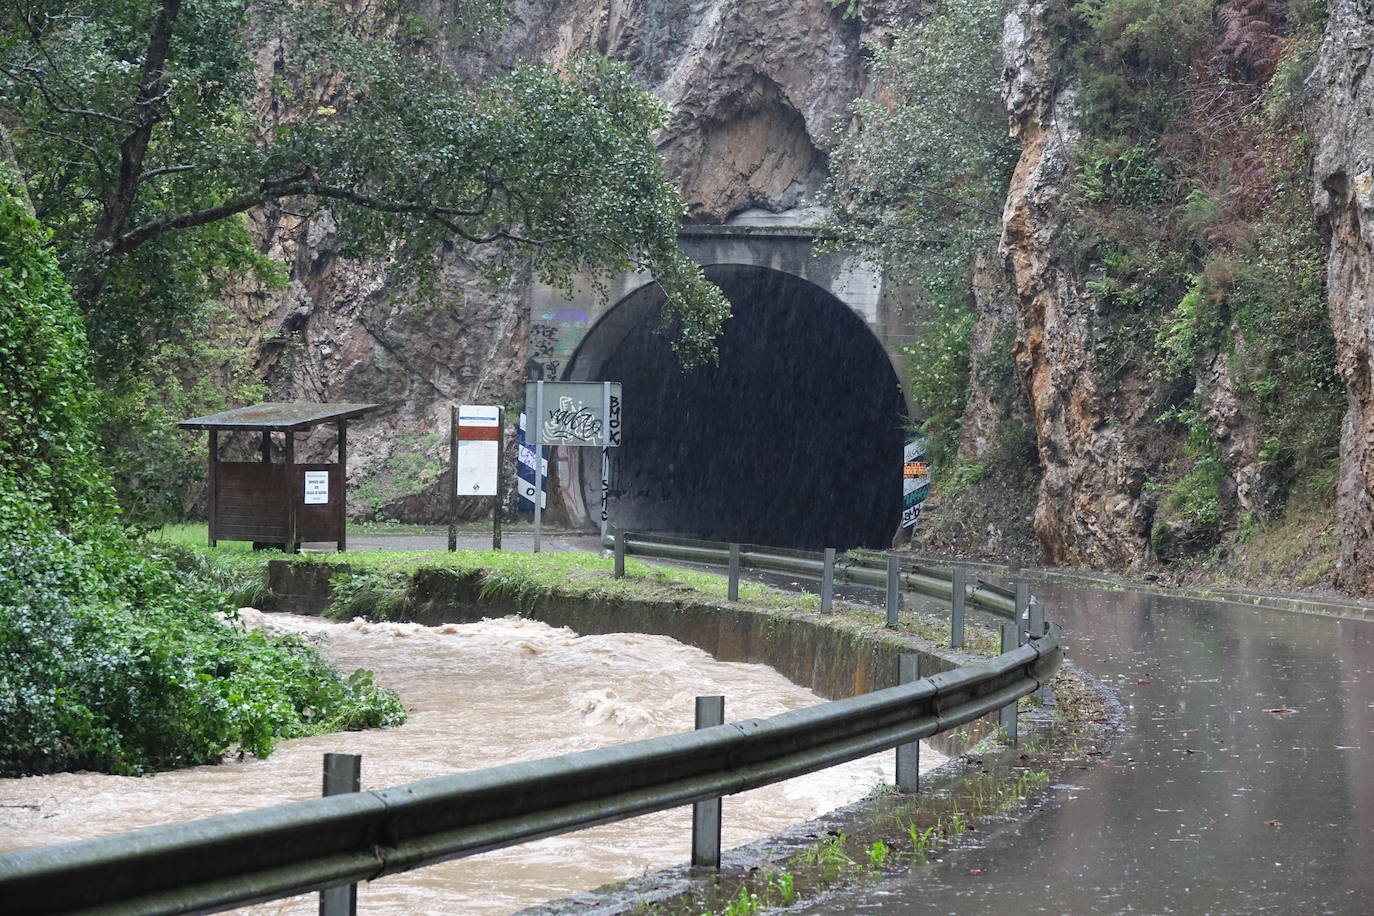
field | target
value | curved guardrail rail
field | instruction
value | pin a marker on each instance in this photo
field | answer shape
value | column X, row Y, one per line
column 222, row 862
column 854, row 568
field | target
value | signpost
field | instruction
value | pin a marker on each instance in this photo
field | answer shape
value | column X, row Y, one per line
column 476, row 461
column 524, row 468
column 584, row 414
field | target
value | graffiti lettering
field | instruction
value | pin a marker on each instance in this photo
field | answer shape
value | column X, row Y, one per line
column 567, row 423
column 614, row 425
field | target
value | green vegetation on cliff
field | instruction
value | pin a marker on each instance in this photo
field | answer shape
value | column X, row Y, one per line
column 1199, row 242
column 918, row 184
column 147, row 129
column 1189, row 242
column 109, row 659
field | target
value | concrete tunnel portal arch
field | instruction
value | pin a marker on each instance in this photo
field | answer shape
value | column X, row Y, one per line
column 793, row 439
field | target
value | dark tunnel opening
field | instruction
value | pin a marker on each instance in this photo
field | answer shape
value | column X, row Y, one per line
column 793, row 439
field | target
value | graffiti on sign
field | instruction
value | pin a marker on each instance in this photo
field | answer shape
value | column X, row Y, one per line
column 571, row 424
column 613, row 423
column 576, row 413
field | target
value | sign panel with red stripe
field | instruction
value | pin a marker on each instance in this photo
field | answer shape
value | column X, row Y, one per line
column 479, row 435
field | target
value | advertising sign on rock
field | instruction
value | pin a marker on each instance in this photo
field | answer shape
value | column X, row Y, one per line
column 915, row 482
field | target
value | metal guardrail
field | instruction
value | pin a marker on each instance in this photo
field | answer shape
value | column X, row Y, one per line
column 855, row 568
column 232, row 860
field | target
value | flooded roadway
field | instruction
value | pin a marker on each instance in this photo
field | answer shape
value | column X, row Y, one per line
column 1243, row 781
column 479, row 695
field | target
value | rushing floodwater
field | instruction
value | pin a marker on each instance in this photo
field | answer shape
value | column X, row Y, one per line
column 479, row 695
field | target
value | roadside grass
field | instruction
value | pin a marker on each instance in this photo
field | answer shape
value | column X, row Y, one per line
column 373, row 579
column 377, row 583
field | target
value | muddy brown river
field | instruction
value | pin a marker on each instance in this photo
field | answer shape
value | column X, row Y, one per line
column 479, row 695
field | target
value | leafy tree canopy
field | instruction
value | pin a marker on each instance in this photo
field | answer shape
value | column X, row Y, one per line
column 920, row 180
column 109, row 659
column 143, row 134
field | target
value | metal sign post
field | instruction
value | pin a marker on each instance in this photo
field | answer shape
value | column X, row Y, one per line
column 606, row 459
column 586, row 414
column 453, row 479
column 500, row 477
column 537, row 428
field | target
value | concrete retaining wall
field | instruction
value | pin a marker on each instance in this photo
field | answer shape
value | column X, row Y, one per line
column 836, row 656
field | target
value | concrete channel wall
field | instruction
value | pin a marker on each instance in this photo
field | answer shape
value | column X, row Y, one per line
column 836, row 656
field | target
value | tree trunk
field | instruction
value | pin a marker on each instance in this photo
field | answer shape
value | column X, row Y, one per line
column 119, row 202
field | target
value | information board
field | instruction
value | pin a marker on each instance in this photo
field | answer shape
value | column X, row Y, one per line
column 915, row 481
column 479, row 440
column 317, row 488
column 575, row 413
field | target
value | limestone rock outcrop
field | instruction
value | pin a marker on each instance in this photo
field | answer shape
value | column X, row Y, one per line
column 756, row 90
column 1342, row 87
column 1089, row 509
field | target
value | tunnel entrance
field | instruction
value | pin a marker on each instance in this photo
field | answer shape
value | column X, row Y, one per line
column 793, row 439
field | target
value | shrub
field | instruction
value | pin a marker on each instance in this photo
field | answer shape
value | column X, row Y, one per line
column 111, row 659
column 938, row 367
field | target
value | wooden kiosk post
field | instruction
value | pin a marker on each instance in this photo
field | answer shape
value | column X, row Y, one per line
column 278, row 504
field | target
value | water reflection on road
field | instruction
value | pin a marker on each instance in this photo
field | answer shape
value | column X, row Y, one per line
column 1244, row 781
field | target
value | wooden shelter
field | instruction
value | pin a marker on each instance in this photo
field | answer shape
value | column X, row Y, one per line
column 278, row 504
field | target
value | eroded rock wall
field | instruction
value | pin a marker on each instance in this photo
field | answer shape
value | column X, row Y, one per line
column 756, row 90
column 1343, row 88
column 1089, row 509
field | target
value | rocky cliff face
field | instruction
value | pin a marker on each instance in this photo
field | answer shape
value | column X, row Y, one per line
column 1343, row 86
column 1089, row 508
column 756, row 89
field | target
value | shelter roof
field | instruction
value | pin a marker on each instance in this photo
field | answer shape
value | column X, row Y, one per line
column 277, row 416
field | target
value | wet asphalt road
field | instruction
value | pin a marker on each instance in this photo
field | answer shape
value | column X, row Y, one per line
column 1243, row 781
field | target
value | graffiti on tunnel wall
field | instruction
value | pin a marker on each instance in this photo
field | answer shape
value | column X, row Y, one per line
column 554, row 335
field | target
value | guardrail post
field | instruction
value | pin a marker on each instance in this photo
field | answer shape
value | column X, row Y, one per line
column 1007, row 716
column 733, row 593
column 909, row 755
column 706, row 814
column 1035, row 617
column 1022, row 612
column 828, row 581
column 342, row 774
column 958, row 594
column 894, row 591
column 620, row 555
column 1037, row 629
